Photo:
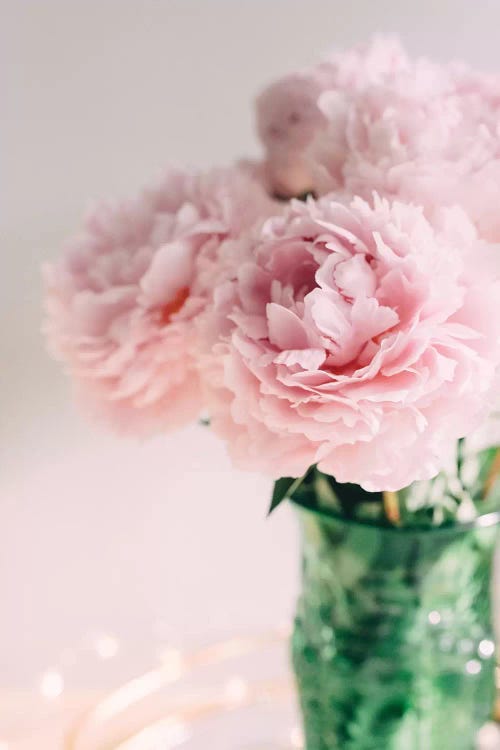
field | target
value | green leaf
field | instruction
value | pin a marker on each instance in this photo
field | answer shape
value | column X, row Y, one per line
column 286, row 487
column 350, row 495
column 280, row 491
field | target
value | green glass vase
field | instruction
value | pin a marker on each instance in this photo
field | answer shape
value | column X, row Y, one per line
column 393, row 645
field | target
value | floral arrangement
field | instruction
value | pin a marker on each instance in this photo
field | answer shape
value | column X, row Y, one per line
column 333, row 309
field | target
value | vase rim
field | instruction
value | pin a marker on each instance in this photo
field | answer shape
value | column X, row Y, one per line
column 485, row 520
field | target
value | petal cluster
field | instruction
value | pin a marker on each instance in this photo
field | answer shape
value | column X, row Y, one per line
column 410, row 129
column 123, row 300
column 290, row 117
column 363, row 338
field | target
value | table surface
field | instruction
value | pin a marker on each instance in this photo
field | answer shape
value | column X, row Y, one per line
column 236, row 694
column 33, row 727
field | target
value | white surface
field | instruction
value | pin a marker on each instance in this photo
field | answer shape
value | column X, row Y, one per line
column 98, row 534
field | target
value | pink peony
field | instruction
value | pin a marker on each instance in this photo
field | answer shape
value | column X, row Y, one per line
column 123, row 301
column 421, row 132
column 371, row 119
column 289, row 115
column 363, row 338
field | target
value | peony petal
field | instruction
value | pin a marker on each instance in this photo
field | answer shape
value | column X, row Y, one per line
column 286, row 330
column 307, row 359
column 170, row 271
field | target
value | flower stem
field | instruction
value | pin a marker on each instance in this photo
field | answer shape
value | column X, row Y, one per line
column 391, row 507
column 492, row 475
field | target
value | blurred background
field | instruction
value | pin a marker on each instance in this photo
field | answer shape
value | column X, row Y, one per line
column 160, row 543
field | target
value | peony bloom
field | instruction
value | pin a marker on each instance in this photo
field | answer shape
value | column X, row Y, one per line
column 364, row 339
column 419, row 131
column 372, row 119
column 289, row 115
column 123, row 301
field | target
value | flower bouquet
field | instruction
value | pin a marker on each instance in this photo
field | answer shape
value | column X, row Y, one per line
column 333, row 313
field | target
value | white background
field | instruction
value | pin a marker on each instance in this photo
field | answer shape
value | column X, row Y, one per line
column 159, row 540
